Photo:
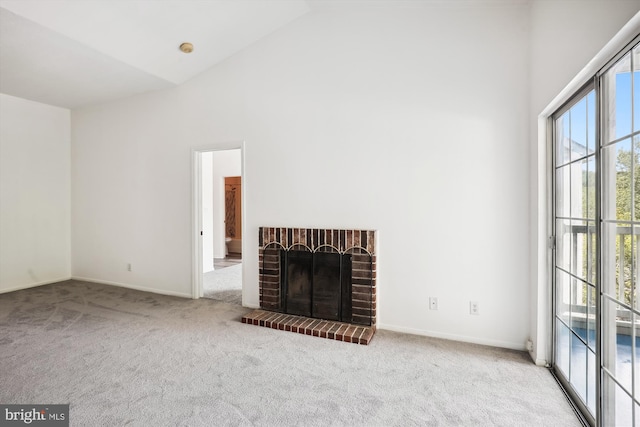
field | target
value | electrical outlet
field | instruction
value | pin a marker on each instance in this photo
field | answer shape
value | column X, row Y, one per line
column 433, row 303
column 474, row 308
column 129, row 267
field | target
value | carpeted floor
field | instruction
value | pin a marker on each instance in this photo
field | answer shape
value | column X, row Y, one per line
column 124, row 357
column 224, row 284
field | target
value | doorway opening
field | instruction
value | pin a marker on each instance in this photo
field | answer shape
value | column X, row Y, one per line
column 218, row 223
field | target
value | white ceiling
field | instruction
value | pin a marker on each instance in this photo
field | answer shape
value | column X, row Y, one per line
column 74, row 53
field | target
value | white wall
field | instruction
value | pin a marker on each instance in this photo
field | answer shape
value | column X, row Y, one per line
column 225, row 163
column 207, row 211
column 409, row 120
column 412, row 120
column 132, row 194
column 565, row 37
column 35, row 194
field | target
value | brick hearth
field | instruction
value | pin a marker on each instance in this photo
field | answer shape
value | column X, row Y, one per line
column 316, row 327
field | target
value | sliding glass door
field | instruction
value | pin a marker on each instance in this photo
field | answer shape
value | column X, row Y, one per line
column 576, row 242
column 620, row 151
column 596, row 184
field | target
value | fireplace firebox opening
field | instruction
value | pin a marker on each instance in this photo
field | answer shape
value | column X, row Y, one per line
column 316, row 284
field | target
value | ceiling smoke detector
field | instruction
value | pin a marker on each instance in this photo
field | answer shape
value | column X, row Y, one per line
column 186, row 47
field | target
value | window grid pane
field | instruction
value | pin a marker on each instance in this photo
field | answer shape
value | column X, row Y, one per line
column 617, row 104
column 617, row 404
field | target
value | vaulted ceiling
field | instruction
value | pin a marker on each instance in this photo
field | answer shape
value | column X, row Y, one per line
column 72, row 53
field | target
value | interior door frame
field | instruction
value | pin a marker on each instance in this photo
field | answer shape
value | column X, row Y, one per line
column 196, row 210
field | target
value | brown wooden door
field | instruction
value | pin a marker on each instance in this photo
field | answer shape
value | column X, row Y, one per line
column 233, row 207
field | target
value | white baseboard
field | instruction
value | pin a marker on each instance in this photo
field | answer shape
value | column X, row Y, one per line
column 137, row 288
column 33, row 285
column 254, row 306
column 453, row 337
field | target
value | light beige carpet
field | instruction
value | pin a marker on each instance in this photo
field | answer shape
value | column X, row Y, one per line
column 123, row 357
column 224, row 284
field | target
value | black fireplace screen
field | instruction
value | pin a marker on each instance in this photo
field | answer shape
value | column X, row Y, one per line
column 316, row 284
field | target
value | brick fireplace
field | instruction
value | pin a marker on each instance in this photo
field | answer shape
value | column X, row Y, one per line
column 319, row 282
